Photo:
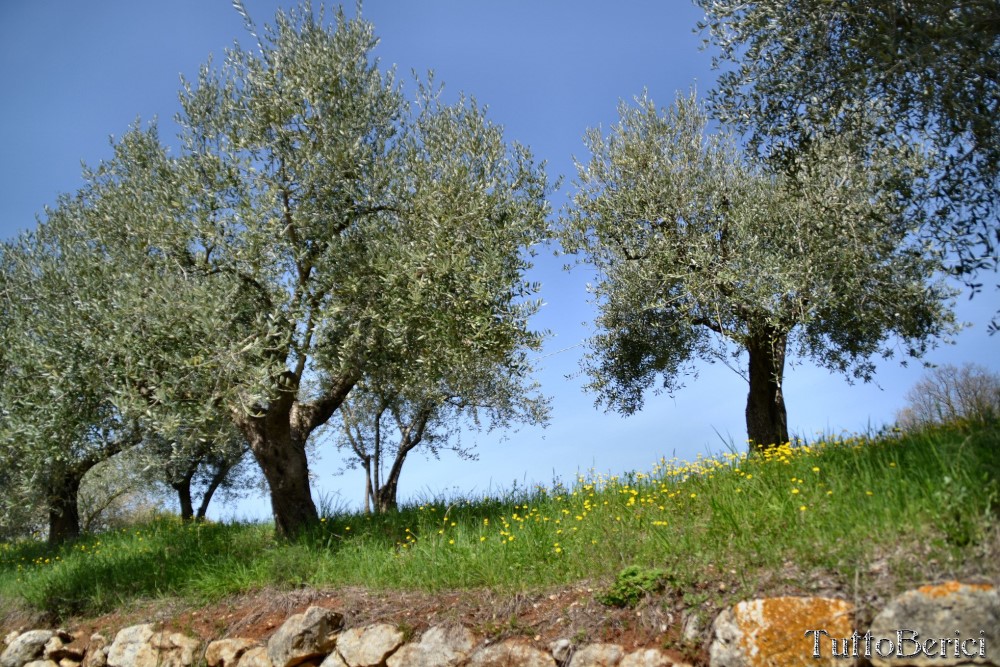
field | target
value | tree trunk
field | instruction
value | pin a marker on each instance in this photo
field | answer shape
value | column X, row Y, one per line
column 385, row 495
column 282, row 459
column 183, row 489
column 217, row 479
column 767, row 421
column 277, row 438
column 409, row 437
column 64, row 514
column 367, row 462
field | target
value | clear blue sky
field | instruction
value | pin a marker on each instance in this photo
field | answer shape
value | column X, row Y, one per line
column 74, row 73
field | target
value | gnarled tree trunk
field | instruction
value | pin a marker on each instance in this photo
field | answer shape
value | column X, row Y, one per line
column 277, row 438
column 283, row 461
column 767, row 421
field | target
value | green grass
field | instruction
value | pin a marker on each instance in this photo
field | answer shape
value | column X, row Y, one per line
column 924, row 499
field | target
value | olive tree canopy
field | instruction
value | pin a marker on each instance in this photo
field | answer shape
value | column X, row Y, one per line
column 931, row 70
column 702, row 253
column 314, row 226
column 57, row 417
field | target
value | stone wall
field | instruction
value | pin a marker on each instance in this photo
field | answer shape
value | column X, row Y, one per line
column 939, row 624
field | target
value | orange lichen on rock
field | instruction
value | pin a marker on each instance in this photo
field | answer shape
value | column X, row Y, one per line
column 950, row 588
column 775, row 629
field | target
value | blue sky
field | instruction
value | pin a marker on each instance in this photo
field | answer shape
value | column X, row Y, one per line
column 75, row 73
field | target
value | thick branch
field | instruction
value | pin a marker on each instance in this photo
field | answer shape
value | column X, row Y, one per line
column 307, row 417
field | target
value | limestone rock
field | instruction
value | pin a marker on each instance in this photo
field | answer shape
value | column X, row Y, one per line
column 510, row 653
column 41, row 663
column 142, row 646
column 25, row 648
column 369, row 646
column 562, row 650
column 174, row 649
column 439, row 646
column 255, row 657
column 69, row 662
column 59, row 648
column 648, row 657
column 306, row 636
column 333, row 660
column 598, row 655
column 96, row 654
column 773, row 631
column 966, row 616
column 128, row 644
column 227, row 652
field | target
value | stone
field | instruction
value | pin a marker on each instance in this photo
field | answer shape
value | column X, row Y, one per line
column 305, row 636
column 562, row 650
column 174, row 649
column 647, row 657
column 96, row 654
column 143, row 646
column 960, row 617
column 510, row 653
column 778, row 631
column 69, row 662
column 57, row 649
column 598, row 655
column 25, row 648
column 255, row 657
column 227, row 652
column 369, row 646
column 333, row 660
column 129, row 643
column 41, row 663
column 439, row 646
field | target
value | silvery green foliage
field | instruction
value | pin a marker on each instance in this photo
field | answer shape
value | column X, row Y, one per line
column 386, row 418
column 314, row 226
column 358, row 231
column 57, row 417
column 932, row 68
column 700, row 253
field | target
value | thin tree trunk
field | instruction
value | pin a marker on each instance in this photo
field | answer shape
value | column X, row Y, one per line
column 368, row 484
column 385, row 496
column 220, row 475
column 767, row 421
column 410, row 436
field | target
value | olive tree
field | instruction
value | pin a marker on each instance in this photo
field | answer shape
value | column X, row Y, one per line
column 57, row 419
column 314, row 226
column 701, row 252
column 95, row 347
column 197, row 469
column 931, row 68
column 385, row 419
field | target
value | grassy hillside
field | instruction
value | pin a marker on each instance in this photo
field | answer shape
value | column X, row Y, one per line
column 900, row 509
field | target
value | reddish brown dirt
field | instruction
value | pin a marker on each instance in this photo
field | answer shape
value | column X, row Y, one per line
column 542, row 617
